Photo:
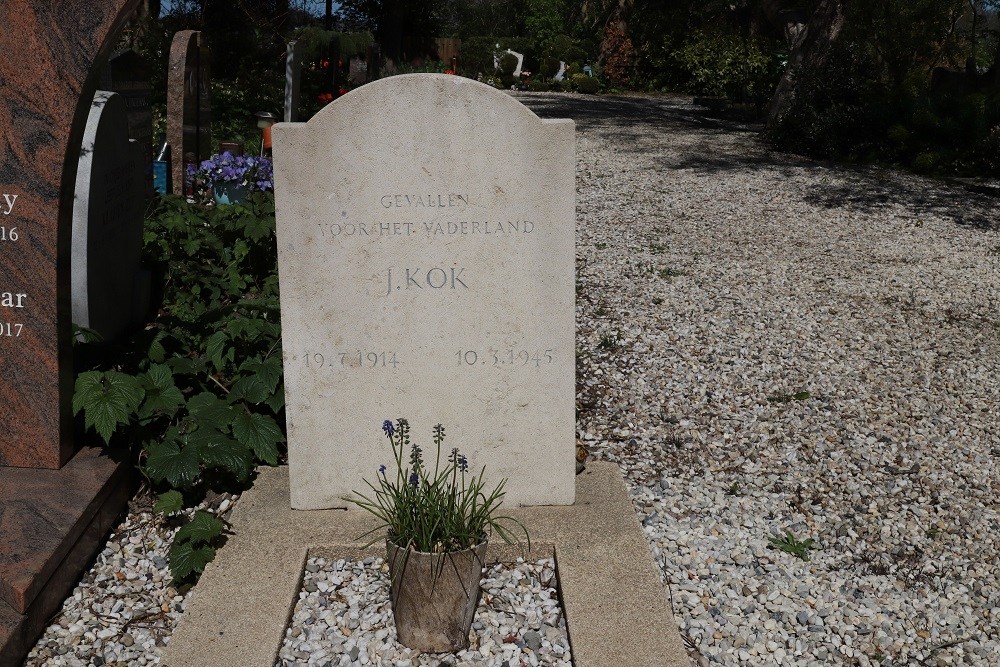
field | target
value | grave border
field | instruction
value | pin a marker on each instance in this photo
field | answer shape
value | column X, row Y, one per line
column 617, row 608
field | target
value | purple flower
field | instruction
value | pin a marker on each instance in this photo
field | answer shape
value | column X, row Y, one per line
column 381, row 469
column 414, row 479
column 463, row 463
column 388, row 428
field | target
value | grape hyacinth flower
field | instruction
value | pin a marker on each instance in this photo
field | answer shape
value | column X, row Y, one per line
column 388, row 428
column 381, row 469
column 414, row 479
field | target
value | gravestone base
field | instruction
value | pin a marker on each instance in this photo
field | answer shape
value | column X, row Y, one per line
column 52, row 523
column 616, row 607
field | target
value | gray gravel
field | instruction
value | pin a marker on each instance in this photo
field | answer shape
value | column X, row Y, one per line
column 343, row 617
column 766, row 345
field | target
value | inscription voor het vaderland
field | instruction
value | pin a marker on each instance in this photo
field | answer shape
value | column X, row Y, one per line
column 437, row 278
column 10, row 327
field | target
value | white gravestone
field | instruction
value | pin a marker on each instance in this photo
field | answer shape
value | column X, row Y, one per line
column 109, row 289
column 426, row 230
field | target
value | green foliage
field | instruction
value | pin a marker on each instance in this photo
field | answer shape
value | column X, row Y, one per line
column 477, row 56
column 234, row 103
column 790, row 545
column 585, row 84
column 200, row 389
column 548, row 67
column 442, row 511
column 608, row 342
column 726, row 65
column 508, row 63
column 192, row 548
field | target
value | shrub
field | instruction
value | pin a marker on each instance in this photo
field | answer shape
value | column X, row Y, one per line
column 548, row 67
column 585, row 84
column 199, row 391
column 508, row 63
column 726, row 65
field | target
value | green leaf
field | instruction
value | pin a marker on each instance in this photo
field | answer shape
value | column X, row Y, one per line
column 201, row 529
column 261, row 434
column 168, row 462
column 257, row 227
column 162, row 395
column 277, row 399
column 211, row 411
column 218, row 450
column 258, row 380
column 215, row 349
column 169, row 502
column 157, row 353
column 186, row 366
column 107, row 400
column 186, row 559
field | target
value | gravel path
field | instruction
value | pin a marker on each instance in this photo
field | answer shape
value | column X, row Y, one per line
column 770, row 345
column 767, row 345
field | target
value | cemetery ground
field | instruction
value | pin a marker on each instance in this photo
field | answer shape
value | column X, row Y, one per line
column 795, row 366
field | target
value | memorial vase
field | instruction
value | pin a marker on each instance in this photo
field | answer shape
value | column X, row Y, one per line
column 229, row 193
column 434, row 596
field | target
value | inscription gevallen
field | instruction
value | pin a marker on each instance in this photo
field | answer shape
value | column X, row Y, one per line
column 423, row 276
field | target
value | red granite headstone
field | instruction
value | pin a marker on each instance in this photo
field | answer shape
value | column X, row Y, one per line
column 52, row 57
column 189, row 111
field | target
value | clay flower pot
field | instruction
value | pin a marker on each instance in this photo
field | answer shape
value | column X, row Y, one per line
column 434, row 596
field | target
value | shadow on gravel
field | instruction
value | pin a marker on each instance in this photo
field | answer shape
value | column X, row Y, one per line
column 728, row 147
column 871, row 190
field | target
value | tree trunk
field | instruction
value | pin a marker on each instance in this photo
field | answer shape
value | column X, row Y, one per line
column 811, row 48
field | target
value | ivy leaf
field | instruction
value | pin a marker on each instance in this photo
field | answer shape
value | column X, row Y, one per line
column 107, row 399
column 186, row 559
column 201, row 529
column 169, row 502
column 211, row 411
column 261, row 434
column 162, row 395
column 168, row 462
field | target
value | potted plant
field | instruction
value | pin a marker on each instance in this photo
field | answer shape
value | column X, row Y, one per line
column 230, row 178
column 437, row 526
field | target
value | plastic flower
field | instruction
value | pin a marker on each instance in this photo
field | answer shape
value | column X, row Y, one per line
column 388, row 428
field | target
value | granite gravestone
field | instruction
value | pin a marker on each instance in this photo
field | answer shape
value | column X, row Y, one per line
column 425, row 229
column 128, row 75
column 45, row 74
column 107, row 283
column 189, row 111
column 293, row 81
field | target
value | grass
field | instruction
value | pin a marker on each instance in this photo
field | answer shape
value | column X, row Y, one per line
column 669, row 273
column 608, row 342
column 790, row 545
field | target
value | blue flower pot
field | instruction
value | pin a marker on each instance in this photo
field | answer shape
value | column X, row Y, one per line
column 229, row 193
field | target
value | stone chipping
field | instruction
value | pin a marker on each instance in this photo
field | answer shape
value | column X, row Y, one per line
column 767, row 345
column 771, row 345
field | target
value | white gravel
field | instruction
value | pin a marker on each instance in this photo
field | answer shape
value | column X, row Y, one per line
column 766, row 344
column 797, row 347
column 343, row 617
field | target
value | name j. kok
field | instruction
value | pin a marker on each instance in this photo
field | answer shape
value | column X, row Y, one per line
column 436, row 278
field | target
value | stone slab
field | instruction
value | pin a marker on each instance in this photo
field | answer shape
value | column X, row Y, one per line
column 426, row 231
column 53, row 557
column 189, row 110
column 43, row 514
column 616, row 607
column 48, row 74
